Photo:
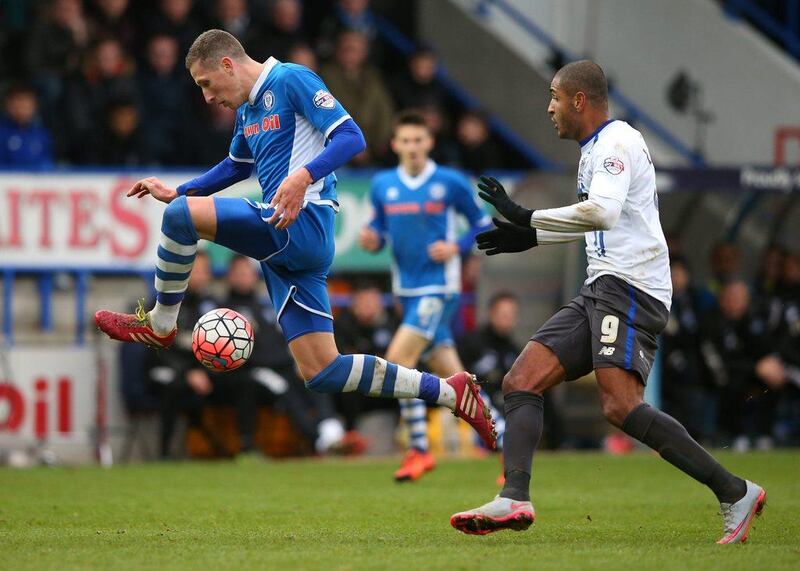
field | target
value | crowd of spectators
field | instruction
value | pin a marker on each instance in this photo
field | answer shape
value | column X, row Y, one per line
column 102, row 82
column 731, row 350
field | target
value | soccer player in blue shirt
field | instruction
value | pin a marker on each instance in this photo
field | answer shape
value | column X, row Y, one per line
column 415, row 207
column 296, row 134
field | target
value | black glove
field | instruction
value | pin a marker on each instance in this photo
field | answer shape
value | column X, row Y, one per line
column 494, row 193
column 506, row 238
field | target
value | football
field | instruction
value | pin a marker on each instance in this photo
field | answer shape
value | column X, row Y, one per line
column 222, row 340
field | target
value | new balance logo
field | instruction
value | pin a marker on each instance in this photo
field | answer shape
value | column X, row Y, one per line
column 607, row 351
column 469, row 404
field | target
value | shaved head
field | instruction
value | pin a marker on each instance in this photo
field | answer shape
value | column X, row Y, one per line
column 587, row 77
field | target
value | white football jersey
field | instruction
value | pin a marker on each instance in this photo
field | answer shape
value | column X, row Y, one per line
column 615, row 163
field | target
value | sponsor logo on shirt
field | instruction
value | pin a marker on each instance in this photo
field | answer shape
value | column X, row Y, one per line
column 437, row 191
column 434, row 207
column 269, row 100
column 270, row 123
column 402, row 208
column 414, row 208
column 614, row 165
column 324, row 100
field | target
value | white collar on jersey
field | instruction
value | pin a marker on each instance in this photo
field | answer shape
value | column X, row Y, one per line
column 414, row 182
column 268, row 65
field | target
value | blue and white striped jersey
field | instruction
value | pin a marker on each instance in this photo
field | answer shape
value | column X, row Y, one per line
column 284, row 125
column 414, row 212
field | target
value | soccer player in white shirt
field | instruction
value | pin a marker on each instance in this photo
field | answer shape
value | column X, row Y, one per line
column 612, row 326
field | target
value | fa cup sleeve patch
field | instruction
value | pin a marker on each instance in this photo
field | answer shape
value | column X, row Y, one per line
column 613, row 165
column 324, row 100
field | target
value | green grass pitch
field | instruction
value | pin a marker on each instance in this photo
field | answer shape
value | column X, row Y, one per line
column 593, row 512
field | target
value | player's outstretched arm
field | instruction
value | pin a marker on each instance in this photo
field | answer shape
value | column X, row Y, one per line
column 224, row 174
column 547, row 238
column 596, row 213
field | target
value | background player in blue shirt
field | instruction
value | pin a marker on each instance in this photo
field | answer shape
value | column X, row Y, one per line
column 415, row 207
column 295, row 134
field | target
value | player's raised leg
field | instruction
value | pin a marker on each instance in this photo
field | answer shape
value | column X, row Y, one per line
column 536, row 369
column 184, row 221
column 621, row 395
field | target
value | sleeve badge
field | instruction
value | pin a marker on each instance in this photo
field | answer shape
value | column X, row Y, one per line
column 324, row 100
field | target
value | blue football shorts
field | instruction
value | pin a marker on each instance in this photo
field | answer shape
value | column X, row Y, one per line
column 430, row 316
column 295, row 261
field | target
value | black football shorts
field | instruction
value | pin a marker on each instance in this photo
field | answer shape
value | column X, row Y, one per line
column 610, row 324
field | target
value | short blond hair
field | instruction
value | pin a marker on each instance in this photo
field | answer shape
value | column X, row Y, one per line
column 214, row 45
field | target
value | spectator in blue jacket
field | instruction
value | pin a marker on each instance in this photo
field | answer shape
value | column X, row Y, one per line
column 24, row 142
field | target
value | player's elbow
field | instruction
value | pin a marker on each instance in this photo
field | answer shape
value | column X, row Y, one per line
column 237, row 170
column 360, row 143
column 601, row 216
column 607, row 219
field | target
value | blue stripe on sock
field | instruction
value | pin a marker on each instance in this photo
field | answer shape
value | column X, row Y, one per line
column 172, row 257
column 333, row 377
column 171, row 276
column 631, row 331
column 388, row 380
column 416, row 419
column 418, row 434
column 429, row 388
column 169, row 298
column 365, row 382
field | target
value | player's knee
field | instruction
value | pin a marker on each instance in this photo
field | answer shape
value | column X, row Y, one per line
column 515, row 381
column 308, row 373
column 615, row 410
column 175, row 212
column 177, row 219
column 325, row 376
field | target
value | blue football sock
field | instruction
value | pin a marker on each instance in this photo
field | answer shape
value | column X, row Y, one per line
column 176, row 252
column 376, row 377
